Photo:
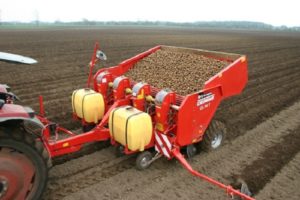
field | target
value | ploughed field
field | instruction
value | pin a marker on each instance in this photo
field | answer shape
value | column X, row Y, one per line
column 263, row 123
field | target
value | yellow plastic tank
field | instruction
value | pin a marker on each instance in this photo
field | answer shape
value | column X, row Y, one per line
column 130, row 126
column 88, row 105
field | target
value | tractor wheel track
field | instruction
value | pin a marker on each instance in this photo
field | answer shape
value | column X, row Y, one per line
column 288, row 180
column 257, row 110
column 261, row 91
column 262, row 87
column 272, row 160
column 72, row 177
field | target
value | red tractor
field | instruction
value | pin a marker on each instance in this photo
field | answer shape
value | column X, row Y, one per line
column 136, row 118
column 24, row 158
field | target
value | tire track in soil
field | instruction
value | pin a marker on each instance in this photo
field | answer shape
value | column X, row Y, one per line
column 264, row 70
column 262, row 87
column 259, row 93
column 254, row 82
column 243, row 117
column 49, row 90
column 168, row 180
column 23, row 88
column 43, row 76
column 285, row 185
column 272, row 160
column 79, row 173
column 53, row 94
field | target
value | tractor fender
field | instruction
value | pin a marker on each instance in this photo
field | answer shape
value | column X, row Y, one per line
column 33, row 120
column 4, row 88
column 12, row 114
column 10, row 111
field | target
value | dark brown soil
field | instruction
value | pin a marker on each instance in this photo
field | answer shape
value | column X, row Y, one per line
column 168, row 180
column 285, row 185
column 181, row 72
column 272, row 160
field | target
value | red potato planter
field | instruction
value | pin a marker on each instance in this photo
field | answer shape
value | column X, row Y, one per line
column 155, row 121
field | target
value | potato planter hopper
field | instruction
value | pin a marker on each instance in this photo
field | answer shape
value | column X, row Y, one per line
column 179, row 123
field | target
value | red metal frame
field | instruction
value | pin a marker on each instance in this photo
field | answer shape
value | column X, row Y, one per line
column 13, row 111
column 74, row 142
column 42, row 109
column 92, row 64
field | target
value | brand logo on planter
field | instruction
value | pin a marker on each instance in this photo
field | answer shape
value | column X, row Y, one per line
column 205, row 98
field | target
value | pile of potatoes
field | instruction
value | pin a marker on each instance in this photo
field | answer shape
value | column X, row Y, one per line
column 183, row 73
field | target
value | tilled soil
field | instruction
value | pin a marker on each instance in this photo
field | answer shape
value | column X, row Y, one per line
column 288, row 178
column 173, row 182
column 265, row 116
column 271, row 161
column 183, row 73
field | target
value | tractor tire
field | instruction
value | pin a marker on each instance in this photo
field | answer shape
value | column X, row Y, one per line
column 24, row 165
column 214, row 136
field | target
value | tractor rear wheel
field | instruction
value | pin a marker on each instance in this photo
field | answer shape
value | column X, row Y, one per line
column 24, row 165
column 214, row 136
